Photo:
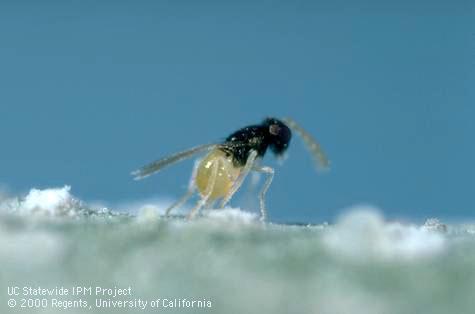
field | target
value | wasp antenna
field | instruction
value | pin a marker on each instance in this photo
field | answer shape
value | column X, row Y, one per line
column 311, row 143
column 158, row 165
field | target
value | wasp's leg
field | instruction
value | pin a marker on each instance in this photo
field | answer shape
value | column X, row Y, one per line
column 245, row 171
column 189, row 192
column 210, row 204
column 209, row 190
column 270, row 176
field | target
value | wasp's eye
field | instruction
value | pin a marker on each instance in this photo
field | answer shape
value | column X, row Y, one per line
column 274, row 129
column 280, row 137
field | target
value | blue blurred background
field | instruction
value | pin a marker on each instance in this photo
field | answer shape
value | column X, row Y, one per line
column 91, row 90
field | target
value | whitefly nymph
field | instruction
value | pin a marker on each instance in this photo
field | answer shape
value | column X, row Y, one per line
column 220, row 174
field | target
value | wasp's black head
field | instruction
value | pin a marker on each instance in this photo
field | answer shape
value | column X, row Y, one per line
column 279, row 135
column 271, row 133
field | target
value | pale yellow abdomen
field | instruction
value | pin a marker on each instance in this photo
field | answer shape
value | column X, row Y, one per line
column 226, row 174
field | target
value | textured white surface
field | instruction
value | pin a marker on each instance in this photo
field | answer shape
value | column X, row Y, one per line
column 360, row 264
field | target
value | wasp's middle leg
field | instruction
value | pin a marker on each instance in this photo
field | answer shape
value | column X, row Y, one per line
column 189, row 192
column 242, row 176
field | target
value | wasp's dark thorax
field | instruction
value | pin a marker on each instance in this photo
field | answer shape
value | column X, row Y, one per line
column 243, row 141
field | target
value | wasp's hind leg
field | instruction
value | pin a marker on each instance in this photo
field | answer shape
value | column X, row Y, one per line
column 242, row 176
column 270, row 176
column 207, row 194
column 189, row 192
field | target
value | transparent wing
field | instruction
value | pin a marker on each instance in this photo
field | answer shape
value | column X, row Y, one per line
column 158, row 165
column 312, row 145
